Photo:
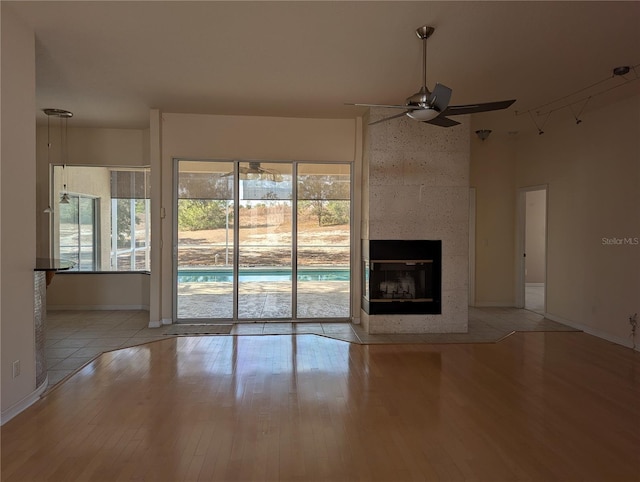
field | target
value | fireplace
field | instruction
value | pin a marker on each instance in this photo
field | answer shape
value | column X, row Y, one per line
column 402, row 277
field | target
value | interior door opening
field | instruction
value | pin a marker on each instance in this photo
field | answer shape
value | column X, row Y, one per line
column 534, row 245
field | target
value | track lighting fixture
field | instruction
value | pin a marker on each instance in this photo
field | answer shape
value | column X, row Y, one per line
column 583, row 96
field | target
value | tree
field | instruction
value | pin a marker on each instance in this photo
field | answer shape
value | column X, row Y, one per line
column 124, row 222
column 336, row 212
column 198, row 214
column 324, row 197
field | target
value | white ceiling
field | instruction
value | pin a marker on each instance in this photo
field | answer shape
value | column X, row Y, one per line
column 110, row 62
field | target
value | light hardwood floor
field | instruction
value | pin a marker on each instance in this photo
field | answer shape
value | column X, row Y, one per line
column 535, row 406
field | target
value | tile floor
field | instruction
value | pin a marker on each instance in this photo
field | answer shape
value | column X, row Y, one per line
column 534, row 297
column 76, row 337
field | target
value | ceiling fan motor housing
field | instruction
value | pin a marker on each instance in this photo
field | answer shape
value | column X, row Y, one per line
column 420, row 98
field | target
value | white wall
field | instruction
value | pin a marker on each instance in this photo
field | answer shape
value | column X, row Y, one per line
column 17, row 193
column 193, row 136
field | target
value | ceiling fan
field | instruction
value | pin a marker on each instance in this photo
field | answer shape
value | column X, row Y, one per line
column 256, row 172
column 433, row 107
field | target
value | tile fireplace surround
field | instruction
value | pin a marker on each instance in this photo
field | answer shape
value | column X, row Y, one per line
column 416, row 187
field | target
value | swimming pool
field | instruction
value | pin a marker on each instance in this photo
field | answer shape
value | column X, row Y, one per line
column 217, row 276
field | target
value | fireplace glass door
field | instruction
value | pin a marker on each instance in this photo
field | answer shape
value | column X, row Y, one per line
column 401, row 277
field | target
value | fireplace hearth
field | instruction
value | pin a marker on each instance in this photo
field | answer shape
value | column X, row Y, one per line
column 402, row 277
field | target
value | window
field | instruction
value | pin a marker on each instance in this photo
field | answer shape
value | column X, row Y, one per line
column 105, row 226
column 79, row 232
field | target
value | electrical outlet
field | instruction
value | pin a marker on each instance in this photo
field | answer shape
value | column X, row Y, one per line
column 16, row 368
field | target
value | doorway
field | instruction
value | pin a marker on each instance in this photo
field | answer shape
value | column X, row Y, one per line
column 533, row 248
column 262, row 240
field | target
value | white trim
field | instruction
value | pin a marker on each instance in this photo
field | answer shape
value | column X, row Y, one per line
column 25, row 403
column 592, row 331
column 494, row 304
column 534, row 285
column 167, row 321
column 155, row 324
column 98, row 307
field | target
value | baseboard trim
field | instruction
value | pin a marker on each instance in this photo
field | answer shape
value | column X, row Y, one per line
column 493, row 304
column 159, row 323
column 25, row 403
column 97, row 307
column 592, row 331
column 534, row 285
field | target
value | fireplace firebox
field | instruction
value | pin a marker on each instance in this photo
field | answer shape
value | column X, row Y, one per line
column 402, row 277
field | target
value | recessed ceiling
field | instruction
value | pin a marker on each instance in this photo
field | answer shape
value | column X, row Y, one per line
column 110, row 62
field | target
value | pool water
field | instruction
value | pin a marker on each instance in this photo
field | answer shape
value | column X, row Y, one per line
column 222, row 276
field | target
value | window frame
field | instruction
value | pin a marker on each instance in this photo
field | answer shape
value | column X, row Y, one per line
column 64, row 176
column 95, row 247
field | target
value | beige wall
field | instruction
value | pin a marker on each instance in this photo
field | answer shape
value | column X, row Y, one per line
column 593, row 174
column 189, row 136
column 592, row 171
column 99, row 291
column 493, row 167
column 89, row 147
column 194, row 136
column 17, row 201
column 535, row 236
column 107, row 147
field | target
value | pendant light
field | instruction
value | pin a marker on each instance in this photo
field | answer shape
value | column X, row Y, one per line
column 63, row 116
column 64, row 199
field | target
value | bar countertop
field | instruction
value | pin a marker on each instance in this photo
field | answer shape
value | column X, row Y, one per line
column 50, row 264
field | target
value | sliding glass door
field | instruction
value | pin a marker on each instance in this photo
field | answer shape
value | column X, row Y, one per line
column 204, row 250
column 260, row 241
column 264, row 241
column 323, row 240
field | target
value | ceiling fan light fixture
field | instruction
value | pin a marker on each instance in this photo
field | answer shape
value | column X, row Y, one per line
column 423, row 115
column 483, row 134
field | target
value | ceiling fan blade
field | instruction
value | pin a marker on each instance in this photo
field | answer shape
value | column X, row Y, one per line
column 384, row 119
column 440, row 97
column 474, row 108
column 442, row 121
column 405, row 107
